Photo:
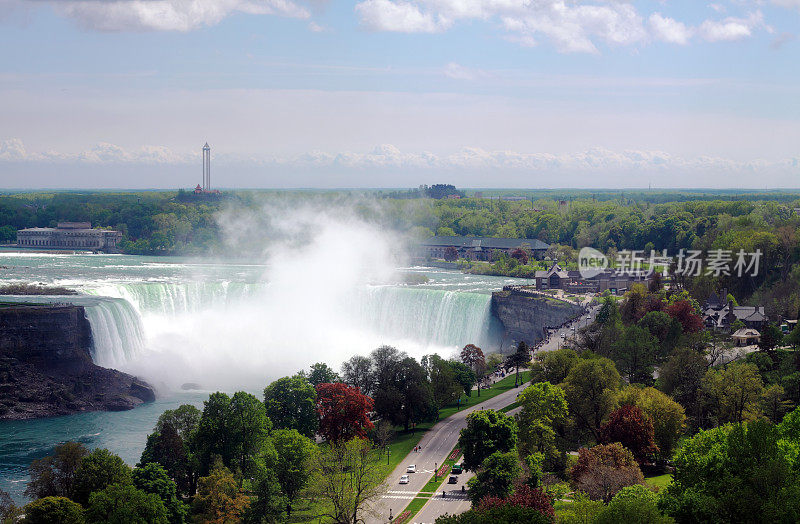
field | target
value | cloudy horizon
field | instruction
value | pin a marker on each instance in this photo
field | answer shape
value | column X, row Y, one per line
column 395, row 93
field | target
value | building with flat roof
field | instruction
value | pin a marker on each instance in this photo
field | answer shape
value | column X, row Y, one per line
column 69, row 235
column 481, row 248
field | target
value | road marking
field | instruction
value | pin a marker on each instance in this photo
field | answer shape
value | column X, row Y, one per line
column 406, row 497
column 402, row 492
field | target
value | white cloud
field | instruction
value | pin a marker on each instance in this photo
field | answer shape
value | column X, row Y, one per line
column 669, row 30
column 401, row 17
column 731, row 28
column 168, row 15
column 789, row 4
column 13, row 150
column 388, row 156
column 569, row 26
column 576, row 26
column 459, row 72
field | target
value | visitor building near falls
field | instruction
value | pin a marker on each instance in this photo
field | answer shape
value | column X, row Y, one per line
column 69, row 235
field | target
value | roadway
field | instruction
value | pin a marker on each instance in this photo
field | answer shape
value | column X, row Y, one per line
column 440, row 440
column 456, row 500
column 436, row 446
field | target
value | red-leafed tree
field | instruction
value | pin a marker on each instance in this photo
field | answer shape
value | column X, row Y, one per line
column 631, row 428
column 343, row 412
column 524, row 497
column 521, row 255
column 684, row 313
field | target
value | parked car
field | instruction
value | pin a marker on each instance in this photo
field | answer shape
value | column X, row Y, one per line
column 563, row 335
column 458, row 469
column 452, row 480
column 404, row 479
column 412, row 468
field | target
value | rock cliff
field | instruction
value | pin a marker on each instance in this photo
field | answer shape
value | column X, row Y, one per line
column 526, row 315
column 46, row 367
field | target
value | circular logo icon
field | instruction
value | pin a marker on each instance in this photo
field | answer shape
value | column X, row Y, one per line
column 591, row 262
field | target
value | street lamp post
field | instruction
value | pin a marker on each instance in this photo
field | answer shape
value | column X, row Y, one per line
column 435, row 471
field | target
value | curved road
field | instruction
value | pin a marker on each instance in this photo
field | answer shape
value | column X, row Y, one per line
column 436, row 446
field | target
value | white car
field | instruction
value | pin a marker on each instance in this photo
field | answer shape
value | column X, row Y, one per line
column 404, row 479
column 563, row 335
column 411, row 469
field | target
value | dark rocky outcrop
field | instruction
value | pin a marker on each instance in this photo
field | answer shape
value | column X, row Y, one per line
column 526, row 315
column 46, row 367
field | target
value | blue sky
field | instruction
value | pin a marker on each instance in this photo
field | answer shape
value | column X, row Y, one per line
column 390, row 93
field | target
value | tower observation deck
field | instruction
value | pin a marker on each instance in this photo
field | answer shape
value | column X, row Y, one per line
column 206, row 168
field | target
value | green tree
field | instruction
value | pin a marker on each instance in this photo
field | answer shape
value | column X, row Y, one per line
column 232, row 428
column 294, row 456
column 543, row 410
column 681, row 377
column 55, row 475
column 668, row 417
column 166, row 447
column 249, row 426
column 665, row 329
column 487, row 432
column 635, row 354
column 320, row 373
column 771, row 337
column 634, row 504
column 124, row 504
column 590, row 390
column 734, row 473
column 495, row 477
column 153, row 478
column 773, row 403
column 557, row 364
column 519, row 358
column 444, row 386
column 53, row 510
column 734, row 392
column 185, row 419
column 290, row 403
column 405, row 395
column 98, row 470
column 463, row 375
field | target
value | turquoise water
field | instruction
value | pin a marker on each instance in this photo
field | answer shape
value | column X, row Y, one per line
column 230, row 326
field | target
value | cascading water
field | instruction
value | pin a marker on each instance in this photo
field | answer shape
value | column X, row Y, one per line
column 423, row 315
column 117, row 331
column 429, row 316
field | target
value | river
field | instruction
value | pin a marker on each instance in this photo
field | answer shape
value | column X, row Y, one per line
column 228, row 326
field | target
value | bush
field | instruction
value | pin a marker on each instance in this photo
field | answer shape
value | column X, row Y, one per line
column 633, row 504
column 53, row 510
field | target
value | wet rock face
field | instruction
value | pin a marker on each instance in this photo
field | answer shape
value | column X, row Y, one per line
column 526, row 316
column 46, row 367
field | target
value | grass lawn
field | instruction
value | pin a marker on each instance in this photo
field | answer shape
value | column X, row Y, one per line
column 659, row 481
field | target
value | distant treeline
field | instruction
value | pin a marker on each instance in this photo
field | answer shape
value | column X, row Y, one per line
column 181, row 223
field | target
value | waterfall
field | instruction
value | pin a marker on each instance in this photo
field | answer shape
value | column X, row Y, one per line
column 430, row 316
column 117, row 331
column 427, row 316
